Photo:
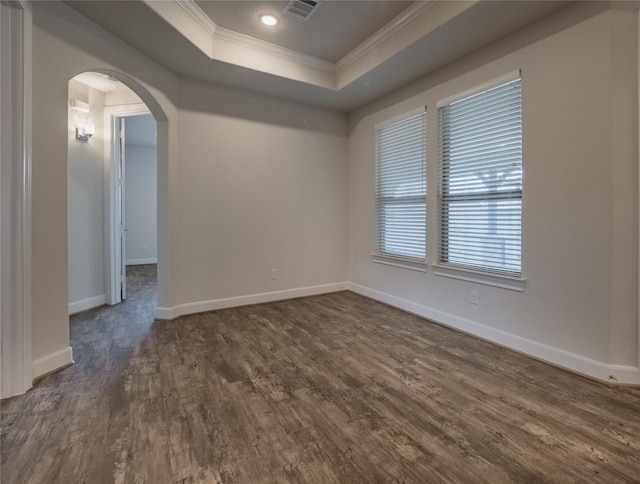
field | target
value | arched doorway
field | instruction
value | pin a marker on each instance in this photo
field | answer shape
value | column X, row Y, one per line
column 99, row 106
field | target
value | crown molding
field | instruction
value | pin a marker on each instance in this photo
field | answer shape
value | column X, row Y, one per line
column 398, row 23
column 264, row 47
column 192, row 8
column 246, row 41
column 221, row 35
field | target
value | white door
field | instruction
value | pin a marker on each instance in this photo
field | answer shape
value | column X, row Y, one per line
column 115, row 214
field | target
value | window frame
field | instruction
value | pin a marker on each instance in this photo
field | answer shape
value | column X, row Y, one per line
column 475, row 273
column 380, row 255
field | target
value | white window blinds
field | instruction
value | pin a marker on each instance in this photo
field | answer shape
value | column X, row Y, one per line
column 401, row 188
column 481, row 180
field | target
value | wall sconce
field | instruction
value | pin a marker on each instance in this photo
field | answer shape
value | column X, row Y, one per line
column 86, row 132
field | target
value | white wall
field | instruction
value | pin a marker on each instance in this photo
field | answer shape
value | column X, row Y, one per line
column 86, row 202
column 262, row 186
column 141, row 190
column 121, row 97
column 578, row 307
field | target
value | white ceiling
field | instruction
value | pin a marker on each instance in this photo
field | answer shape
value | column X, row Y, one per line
column 101, row 82
column 347, row 54
column 333, row 30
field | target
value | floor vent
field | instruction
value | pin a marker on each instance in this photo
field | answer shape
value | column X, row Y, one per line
column 301, row 8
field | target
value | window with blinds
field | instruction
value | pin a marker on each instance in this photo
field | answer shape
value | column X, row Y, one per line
column 481, row 180
column 401, row 188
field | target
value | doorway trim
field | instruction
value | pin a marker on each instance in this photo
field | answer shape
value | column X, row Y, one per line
column 16, row 369
column 113, row 254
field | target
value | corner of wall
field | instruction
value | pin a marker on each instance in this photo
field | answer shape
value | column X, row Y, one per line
column 52, row 362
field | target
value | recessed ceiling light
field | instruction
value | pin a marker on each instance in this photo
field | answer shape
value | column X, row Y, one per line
column 268, row 19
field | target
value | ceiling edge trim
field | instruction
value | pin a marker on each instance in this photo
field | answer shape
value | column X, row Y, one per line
column 192, row 8
column 243, row 40
column 384, row 33
column 214, row 41
column 267, row 47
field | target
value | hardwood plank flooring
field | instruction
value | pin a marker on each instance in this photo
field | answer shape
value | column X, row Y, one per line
column 326, row 389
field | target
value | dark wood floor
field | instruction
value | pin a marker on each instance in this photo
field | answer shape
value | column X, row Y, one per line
column 332, row 388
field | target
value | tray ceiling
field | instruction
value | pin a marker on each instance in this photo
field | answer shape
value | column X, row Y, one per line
column 345, row 55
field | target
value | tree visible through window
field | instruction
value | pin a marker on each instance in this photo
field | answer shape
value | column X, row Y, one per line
column 401, row 188
column 481, row 180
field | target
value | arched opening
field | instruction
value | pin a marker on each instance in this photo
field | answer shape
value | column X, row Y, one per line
column 101, row 106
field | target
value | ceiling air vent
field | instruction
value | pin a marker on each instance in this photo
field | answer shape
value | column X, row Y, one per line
column 301, row 8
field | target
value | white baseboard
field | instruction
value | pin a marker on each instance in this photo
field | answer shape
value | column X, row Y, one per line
column 52, row 362
column 90, row 303
column 556, row 356
column 202, row 306
column 550, row 354
column 139, row 262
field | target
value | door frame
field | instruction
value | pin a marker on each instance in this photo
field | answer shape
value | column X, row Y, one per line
column 114, row 258
column 16, row 366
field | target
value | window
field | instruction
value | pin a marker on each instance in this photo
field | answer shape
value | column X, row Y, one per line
column 481, row 181
column 401, row 188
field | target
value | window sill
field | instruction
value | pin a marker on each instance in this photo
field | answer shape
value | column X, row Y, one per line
column 496, row 280
column 397, row 262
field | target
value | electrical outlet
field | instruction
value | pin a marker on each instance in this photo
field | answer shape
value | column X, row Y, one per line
column 274, row 273
column 473, row 298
